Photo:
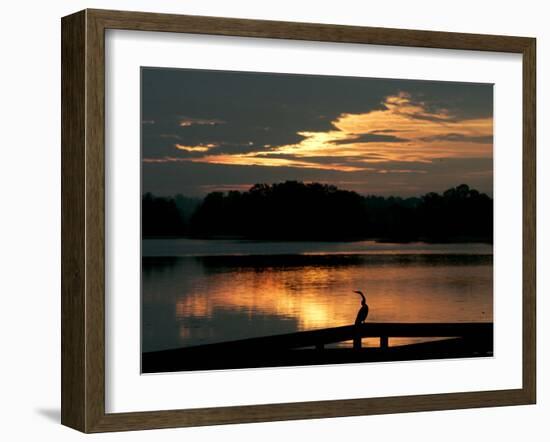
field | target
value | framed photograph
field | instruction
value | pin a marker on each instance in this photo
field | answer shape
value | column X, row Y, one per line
column 268, row 220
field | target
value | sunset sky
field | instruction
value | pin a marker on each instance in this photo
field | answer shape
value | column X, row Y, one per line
column 217, row 130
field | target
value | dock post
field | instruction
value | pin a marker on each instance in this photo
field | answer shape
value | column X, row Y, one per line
column 384, row 341
column 357, row 342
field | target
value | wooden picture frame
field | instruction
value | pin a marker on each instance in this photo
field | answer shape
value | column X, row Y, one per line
column 83, row 220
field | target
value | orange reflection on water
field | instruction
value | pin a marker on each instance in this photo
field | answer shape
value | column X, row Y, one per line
column 321, row 296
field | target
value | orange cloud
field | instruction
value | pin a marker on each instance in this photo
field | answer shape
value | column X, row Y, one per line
column 403, row 130
column 254, row 159
column 199, row 148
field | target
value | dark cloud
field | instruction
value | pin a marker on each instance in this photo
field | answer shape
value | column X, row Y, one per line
column 386, row 131
column 466, row 101
column 371, row 138
column 488, row 139
column 243, row 112
column 350, row 159
column 265, row 108
column 433, row 118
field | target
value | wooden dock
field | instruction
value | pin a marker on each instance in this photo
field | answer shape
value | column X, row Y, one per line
column 473, row 339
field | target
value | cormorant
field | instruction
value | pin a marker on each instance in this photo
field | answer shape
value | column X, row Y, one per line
column 363, row 311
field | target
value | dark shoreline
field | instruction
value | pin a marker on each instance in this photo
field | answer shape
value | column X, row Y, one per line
column 298, row 211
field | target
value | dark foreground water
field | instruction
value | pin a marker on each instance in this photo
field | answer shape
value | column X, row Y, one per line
column 204, row 291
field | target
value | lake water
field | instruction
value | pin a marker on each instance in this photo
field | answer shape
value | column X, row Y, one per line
column 203, row 291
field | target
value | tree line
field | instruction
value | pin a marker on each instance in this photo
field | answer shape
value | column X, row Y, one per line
column 294, row 210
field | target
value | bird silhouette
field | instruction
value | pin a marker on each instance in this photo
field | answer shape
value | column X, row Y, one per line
column 363, row 311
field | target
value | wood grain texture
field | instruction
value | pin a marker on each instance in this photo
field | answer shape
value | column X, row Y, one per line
column 144, row 21
column 73, row 257
column 529, row 221
column 95, row 221
column 83, row 220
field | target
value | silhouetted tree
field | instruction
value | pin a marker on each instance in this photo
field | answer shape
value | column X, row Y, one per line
column 460, row 213
column 312, row 211
column 160, row 217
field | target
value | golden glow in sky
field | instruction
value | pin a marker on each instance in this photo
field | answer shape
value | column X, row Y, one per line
column 205, row 130
column 402, row 130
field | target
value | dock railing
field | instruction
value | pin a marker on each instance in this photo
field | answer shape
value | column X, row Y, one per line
column 382, row 330
column 309, row 347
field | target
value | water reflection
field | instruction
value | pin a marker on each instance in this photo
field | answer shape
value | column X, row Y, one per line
column 202, row 299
